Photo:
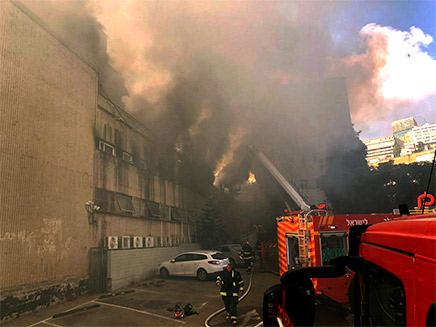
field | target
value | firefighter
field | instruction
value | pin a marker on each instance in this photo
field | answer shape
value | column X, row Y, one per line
column 247, row 254
column 231, row 284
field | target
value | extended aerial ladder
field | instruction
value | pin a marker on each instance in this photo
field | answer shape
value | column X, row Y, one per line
column 287, row 184
column 297, row 195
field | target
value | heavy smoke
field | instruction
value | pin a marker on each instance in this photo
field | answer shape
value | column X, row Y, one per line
column 212, row 77
column 75, row 23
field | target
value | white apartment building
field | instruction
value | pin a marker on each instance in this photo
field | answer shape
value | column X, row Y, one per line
column 379, row 149
column 425, row 134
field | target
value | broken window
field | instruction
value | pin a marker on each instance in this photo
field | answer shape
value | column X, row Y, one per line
column 127, row 157
column 154, row 210
column 175, row 214
column 125, row 204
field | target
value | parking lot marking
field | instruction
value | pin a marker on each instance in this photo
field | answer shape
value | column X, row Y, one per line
column 147, row 291
column 49, row 323
column 45, row 320
column 140, row 311
column 203, row 305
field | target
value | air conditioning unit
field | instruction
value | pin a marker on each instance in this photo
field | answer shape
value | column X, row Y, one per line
column 137, row 242
column 124, row 242
column 111, row 242
column 149, row 242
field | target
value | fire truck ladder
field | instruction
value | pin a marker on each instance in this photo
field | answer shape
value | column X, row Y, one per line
column 303, row 234
column 290, row 187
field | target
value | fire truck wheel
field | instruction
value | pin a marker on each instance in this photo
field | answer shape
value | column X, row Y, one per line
column 201, row 274
column 164, row 273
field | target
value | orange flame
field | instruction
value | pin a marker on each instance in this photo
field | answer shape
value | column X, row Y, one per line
column 251, row 178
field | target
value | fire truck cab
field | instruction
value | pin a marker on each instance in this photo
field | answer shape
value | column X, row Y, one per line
column 314, row 239
column 395, row 272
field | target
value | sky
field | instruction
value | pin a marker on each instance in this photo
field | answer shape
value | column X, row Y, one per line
column 203, row 73
column 399, row 16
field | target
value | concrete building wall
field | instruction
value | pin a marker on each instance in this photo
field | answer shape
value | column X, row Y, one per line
column 47, row 99
column 127, row 266
column 130, row 179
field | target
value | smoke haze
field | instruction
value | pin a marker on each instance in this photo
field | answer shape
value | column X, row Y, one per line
column 212, row 77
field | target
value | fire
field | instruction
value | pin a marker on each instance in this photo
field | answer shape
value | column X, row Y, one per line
column 251, row 178
column 235, row 141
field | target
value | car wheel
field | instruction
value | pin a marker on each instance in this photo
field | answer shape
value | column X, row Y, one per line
column 232, row 262
column 201, row 274
column 163, row 272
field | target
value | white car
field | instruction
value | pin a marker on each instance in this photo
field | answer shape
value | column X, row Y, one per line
column 195, row 263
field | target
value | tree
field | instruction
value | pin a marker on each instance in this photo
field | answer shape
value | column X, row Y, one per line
column 397, row 149
column 210, row 231
column 399, row 184
column 419, row 147
column 352, row 187
column 346, row 179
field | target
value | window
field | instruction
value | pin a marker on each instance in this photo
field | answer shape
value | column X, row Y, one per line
column 154, row 210
column 125, row 203
column 127, row 157
column 175, row 214
column 236, row 247
column 118, row 137
column 182, row 257
column 198, row 257
column 385, row 298
column 293, row 252
column 219, row 256
column 332, row 245
column 106, row 148
column 226, row 249
column 107, row 132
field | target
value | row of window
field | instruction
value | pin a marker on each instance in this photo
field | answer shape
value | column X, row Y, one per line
column 118, row 203
column 166, row 167
column 110, row 149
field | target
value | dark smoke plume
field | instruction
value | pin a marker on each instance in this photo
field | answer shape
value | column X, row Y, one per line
column 75, row 23
column 213, row 77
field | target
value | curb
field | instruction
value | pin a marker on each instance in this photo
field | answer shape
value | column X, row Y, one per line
column 116, row 294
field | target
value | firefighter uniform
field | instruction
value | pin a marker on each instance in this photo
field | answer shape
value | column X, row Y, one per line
column 231, row 284
column 247, row 254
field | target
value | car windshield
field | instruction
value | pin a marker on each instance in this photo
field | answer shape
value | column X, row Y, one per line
column 236, row 247
column 219, row 256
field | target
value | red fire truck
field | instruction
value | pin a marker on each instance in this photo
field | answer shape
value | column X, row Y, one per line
column 395, row 271
column 314, row 239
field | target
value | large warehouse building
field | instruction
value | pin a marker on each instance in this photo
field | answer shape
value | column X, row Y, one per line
column 75, row 170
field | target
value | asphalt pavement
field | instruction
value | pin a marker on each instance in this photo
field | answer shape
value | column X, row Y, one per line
column 149, row 304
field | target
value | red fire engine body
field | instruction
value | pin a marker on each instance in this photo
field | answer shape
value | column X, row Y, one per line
column 395, row 268
column 314, row 239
